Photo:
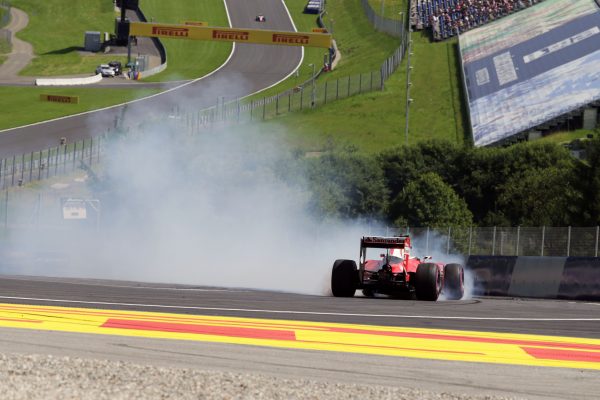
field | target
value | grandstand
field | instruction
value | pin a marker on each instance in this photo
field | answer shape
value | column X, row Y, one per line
column 532, row 71
column 448, row 18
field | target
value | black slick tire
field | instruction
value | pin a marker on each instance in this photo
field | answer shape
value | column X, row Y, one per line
column 427, row 282
column 454, row 281
column 344, row 278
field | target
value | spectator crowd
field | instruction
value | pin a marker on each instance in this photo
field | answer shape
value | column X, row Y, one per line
column 447, row 18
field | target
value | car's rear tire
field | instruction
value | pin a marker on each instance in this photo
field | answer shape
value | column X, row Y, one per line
column 454, row 281
column 428, row 282
column 344, row 278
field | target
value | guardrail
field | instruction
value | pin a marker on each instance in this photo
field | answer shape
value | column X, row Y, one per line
column 68, row 81
column 573, row 278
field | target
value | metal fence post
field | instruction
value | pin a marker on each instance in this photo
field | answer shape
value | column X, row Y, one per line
column 289, row 101
column 470, row 239
column 56, row 161
column 543, row 238
column 494, row 242
column 569, row 241
column 597, row 235
column 348, row 86
column 22, row 167
column 31, row 167
column 74, row 154
column 277, row 105
column 518, row 237
column 6, row 210
column 264, row 107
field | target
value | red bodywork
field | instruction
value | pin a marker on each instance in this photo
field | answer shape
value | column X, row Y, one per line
column 394, row 272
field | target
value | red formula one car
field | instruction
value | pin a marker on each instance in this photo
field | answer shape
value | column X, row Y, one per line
column 395, row 272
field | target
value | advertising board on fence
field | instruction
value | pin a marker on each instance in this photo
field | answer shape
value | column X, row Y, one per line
column 54, row 98
column 260, row 36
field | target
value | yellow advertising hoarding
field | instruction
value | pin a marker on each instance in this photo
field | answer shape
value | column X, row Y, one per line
column 238, row 35
column 55, row 98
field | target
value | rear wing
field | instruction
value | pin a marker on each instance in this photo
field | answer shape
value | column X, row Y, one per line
column 385, row 242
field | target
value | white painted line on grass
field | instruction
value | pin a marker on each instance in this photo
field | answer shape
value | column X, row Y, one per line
column 246, row 310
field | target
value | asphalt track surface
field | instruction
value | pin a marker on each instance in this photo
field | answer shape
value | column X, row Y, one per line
column 574, row 319
column 250, row 68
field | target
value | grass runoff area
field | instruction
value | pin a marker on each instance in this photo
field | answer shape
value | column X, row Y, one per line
column 56, row 30
column 25, row 106
column 362, row 48
column 376, row 120
column 5, row 48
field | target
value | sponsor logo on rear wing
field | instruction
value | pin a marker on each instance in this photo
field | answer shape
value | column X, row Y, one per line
column 385, row 242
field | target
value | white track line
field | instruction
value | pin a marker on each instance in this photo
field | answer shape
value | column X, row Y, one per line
column 176, row 87
column 245, row 310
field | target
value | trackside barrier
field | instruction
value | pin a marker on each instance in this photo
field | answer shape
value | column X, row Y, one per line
column 573, row 278
column 68, row 81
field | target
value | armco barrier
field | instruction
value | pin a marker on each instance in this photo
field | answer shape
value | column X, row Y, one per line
column 68, row 81
column 576, row 278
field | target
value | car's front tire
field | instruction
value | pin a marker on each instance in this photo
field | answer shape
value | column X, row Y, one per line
column 344, row 278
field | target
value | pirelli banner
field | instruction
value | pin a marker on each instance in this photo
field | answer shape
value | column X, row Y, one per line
column 238, row 35
column 54, row 98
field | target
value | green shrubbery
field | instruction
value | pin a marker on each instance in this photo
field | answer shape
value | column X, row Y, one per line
column 437, row 183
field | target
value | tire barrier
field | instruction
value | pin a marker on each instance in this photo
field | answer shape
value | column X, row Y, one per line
column 573, row 278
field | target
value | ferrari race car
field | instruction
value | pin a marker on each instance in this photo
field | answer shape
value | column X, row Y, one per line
column 395, row 272
column 260, row 18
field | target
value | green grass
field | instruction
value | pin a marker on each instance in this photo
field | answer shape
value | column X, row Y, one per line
column 391, row 8
column 22, row 105
column 188, row 59
column 437, row 110
column 56, row 31
column 566, row 137
column 376, row 120
column 5, row 48
column 370, row 122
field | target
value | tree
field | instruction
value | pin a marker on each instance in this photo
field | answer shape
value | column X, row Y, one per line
column 347, row 185
column 540, row 197
column 429, row 201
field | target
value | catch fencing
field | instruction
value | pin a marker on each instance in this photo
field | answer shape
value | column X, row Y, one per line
column 65, row 159
column 541, row 241
column 393, row 27
column 56, row 161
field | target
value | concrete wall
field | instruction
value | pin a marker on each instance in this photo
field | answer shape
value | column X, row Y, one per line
column 576, row 278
